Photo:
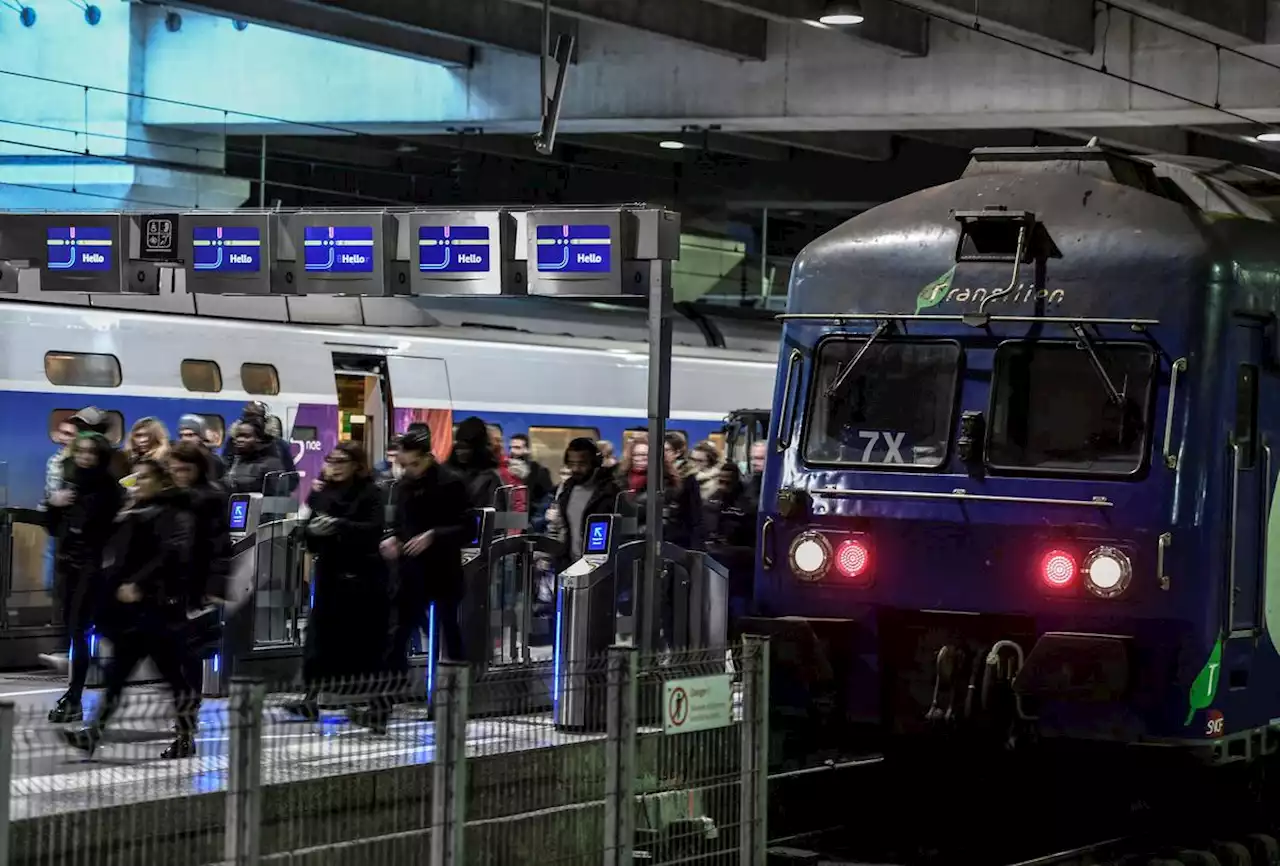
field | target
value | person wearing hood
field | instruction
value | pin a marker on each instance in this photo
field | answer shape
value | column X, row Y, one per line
column 81, row 517
column 256, row 460
column 193, row 429
column 145, row 609
column 590, row 489
column 91, row 419
column 349, row 618
column 473, row 458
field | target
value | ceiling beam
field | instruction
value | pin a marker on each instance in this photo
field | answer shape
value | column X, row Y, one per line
column 337, row 25
column 889, row 25
column 875, row 146
column 1059, row 25
column 1134, row 139
column 702, row 25
column 1231, row 22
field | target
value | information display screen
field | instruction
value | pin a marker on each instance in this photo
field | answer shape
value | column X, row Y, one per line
column 477, row 523
column 338, row 249
column 453, row 249
column 239, row 518
column 79, row 248
column 583, row 249
column 597, row 536
column 222, row 249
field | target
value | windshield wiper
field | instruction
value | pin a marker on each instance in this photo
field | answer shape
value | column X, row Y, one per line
column 843, row 373
column 1086, row 343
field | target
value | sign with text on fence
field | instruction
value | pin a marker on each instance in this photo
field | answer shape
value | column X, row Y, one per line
column 697, row 704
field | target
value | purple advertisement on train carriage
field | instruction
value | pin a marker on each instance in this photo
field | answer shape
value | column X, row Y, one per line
column 315, row 433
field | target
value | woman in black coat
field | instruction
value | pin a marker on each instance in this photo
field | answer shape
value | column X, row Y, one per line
column 145, row 614
column 347, row 628
column 729, row 518
column 81, row 516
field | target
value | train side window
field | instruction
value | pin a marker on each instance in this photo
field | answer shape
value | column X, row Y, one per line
column 260, row 379
column 115, row 423
column 216, row 427
column 82, row 369
column 548, row 444
column 1246, row 427
column 204, row 376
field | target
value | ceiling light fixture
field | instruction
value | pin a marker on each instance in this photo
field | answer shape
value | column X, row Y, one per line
column 842, row 14
column 671, row 144
column 1271, row 137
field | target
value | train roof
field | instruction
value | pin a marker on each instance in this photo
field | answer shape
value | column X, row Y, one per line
column 521, row 318
column 1104, row 235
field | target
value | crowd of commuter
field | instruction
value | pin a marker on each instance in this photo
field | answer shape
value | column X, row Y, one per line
column 140, row 545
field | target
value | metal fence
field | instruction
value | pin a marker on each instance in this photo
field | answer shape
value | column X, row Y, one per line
column 663, row 760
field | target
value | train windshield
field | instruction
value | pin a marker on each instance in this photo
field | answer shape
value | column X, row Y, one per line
column 894, row 407
column 1052, row 410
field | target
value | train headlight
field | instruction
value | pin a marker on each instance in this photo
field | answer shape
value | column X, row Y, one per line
column 1107, row 572
column 810, row 555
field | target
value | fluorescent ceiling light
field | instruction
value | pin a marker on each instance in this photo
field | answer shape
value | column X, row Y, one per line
column 671, row 144
column 1268, row 136
column 842, row 14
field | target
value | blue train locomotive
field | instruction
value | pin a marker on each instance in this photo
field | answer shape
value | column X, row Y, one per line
column 1022, row 473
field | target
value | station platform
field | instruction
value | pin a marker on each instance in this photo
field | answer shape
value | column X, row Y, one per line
column 324, row 783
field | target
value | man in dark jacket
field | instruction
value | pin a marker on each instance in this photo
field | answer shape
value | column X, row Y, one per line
column 591, row 489
column 429, row 526
column 256, row 409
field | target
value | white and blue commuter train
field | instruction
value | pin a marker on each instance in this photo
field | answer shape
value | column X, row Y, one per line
column 552, row 368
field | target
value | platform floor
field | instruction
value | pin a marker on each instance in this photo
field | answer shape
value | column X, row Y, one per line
column 51, row 778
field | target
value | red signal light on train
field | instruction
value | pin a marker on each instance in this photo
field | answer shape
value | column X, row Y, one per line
column 1058, row 568
column 853, row 557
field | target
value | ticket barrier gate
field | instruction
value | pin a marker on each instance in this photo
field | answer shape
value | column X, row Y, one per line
column 260, row 634
column 30, row 618
column 588, row 621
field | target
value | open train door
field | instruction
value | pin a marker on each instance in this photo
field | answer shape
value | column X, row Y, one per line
column 420, row 393
column 742, row 429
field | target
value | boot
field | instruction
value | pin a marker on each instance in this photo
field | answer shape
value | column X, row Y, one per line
column 84, row 739
column 183, row 747
column 368, row 717
column 308, row 708
column 66, row 710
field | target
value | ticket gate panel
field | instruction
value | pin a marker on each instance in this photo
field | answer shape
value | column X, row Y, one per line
column 585, row 626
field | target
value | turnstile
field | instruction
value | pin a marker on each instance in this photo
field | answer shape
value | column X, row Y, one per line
column 262, row 623
column 590, row 617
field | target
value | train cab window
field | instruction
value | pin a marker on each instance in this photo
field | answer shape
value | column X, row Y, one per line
column 115, row 423
column 548, row 444
column 204, row 376
column 259, row 379
column 893, row 410
column 82, row 369
column 1053, row 411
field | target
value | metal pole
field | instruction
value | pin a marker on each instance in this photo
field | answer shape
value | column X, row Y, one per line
column 244, row 773
column 754, row 789
column 262, row 175
column 659, row 406
column 449, row 768
column 620, row 758
column 764, row 256
column 6, row 774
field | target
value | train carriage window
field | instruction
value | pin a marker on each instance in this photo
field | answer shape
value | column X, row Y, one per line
column 203, row 376
column 260, row 379
column 82, row 369
column 1052, row 411
column 894, row 409
column 548, row 444
column 115, row 423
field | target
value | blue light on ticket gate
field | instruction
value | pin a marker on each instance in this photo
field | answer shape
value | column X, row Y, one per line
column 431, row 650
column 557, row 653
column 217, row 663
column 93, row 645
